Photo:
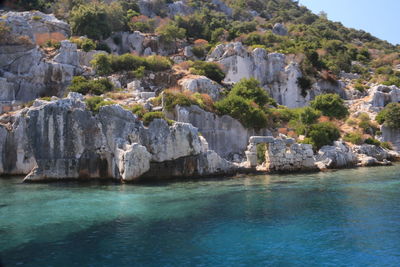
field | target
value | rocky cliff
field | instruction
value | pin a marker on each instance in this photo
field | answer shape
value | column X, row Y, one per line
column 60, row 139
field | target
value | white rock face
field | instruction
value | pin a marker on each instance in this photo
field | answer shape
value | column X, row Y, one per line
column 179, row 8
column 391, row 135
column 170, row 143
column 272, row 71
column 27, row 72
column 134, row 161
column 37, row 30
column 201, row 84
column 282, row 154
column 60, row 139
column 383, row 95
column 279, row 79
column 339, row 155
column 224, row 134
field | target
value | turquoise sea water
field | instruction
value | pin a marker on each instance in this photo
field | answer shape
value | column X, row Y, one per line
column 341, row 218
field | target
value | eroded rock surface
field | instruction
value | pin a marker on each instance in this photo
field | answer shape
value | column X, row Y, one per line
column 60, row 139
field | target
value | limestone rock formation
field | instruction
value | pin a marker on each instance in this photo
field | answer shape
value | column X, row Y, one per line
column 201, row 84
column 280, row 29
column 224, row 134
column 277, row 77
column 382, row 95
column 337, row 156
column 60, row 139
column 282, row 154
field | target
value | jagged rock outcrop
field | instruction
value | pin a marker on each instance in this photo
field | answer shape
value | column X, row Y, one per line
column 376, row 152
column 282, row 154
column 60, row 139
column 224, row 134
column 201, row 84
column 36, row 26
column 139, row 43
column 271, row 70
column 391, row 135
column 381, row 95
column 26, row 72
column 337, row 156
column 280, row 29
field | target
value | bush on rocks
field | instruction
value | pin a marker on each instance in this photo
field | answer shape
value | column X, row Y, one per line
column 85, row 86
column 330, row 105
column 390, row 116
column 209, row 69
column 150, row 116
column 96, row 102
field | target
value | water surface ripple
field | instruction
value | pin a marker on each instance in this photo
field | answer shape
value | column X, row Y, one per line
column 341, row 218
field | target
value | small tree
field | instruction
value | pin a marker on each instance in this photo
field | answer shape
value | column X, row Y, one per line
column 330, row 105
column 390, row 116
column 171, row 32
column 251, row 89
column 322, row 134
column 90, row 20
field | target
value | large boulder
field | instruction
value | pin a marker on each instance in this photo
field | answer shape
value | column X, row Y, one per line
column 391, row 135
column 36, row 26
column 337, row 156
column 376, row 152
column 167, row 143
column 201, row 84
column 280, row 29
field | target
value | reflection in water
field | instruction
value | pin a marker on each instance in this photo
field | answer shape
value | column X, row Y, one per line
column 348, row 217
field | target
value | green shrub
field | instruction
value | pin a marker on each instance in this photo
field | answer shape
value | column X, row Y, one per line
column 84, row 86
column 88, row 45
column 305, row 84
column 261, row 150
column 351, row 122
column 330, row 105
column 387, row 145
column 250, row 89
column 171, row 32
column 322, row 134
column 90, row 20
column 106, row 64
column 138, row 109
column 372, row 141
column 185, row 99
column 95, row 103
column 243, row 110
column 390, row 116
column 354, row 138
column 150, row 116
column 309, row 115
column 209, row 69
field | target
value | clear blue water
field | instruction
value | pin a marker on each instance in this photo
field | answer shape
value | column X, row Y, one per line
column 342, row 218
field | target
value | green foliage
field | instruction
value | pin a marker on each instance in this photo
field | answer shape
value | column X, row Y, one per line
column 390, row 116
column 322, row 134
column 209, row 69
column 173, row 98
column 244, row 110
column 85, row 86
column 138, row 109
column 305, row 84
column 387, row 145
column 250, row 89
column 330, row 105
column 354, row 138
column 106, row 64
column 90, row 20
column 96, row 102
column 85, row 44
column 372, row 141
column 150, row 116
column 171, row 32
column 261, row 150
column 309, row 115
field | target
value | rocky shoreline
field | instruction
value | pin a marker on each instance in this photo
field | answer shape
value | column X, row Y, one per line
column 62, row 140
